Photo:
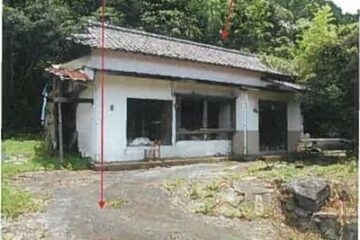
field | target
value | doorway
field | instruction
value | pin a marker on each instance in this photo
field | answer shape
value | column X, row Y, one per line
column 273, row 125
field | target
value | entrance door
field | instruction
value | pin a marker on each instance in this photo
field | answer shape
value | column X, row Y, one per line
column 273, row 125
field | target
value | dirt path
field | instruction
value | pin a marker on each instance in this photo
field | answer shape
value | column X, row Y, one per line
column 148, row 214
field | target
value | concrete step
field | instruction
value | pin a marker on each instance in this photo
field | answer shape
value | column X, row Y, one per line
column 132, row 165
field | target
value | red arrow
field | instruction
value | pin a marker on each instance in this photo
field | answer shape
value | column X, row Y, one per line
column 102, row 200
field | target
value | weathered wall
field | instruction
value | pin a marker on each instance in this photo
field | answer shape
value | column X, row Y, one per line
column 139, row 63
column 86, row 124
column 295, row 124
column 247, row 117
column 117, row 90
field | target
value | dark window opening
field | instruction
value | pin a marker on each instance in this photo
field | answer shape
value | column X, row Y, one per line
column 191, row 114
column 148, row 121
column 213, row 114
column 272, row 125
column 204, row 118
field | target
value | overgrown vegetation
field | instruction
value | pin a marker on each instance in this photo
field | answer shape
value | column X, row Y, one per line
column 217, row 197
column 342, row 177
column 21, row 155
column 207, row 197
column 16, row 202
column 284, row 171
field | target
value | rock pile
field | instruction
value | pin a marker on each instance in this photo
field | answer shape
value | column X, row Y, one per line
column 302, row 203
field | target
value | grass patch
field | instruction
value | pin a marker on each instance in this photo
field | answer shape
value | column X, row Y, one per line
column 33, row 158
column 20, row 147
column 26, row 154
column 116, row 203
column 16, row 202
column 285, row 171
column 45, row 163
column 208, row 197
column 173, row 185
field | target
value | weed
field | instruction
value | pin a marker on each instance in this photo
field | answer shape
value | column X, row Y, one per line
column 173, row 185
column 29, row 151
column 116, row 203
column 16, row 202
column 205, row 207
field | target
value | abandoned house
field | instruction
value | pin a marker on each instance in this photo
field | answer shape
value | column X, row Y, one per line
column 189, row 99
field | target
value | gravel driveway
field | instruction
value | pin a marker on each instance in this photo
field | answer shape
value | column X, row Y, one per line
column 149, row 212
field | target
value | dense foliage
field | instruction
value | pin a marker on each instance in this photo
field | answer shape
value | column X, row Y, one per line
column 311, row 38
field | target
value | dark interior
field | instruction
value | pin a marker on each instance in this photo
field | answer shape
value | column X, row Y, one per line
column 149, row 119
column 273, row 125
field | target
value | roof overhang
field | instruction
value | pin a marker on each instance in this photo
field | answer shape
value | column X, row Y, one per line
column 68, row 73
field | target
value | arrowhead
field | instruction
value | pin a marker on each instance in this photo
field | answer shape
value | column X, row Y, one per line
column 102, row 204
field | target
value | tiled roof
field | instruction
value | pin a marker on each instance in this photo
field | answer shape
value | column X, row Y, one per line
column 129, row 40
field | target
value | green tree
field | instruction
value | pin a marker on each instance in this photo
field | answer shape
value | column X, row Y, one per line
column 325, row 61
column 33, row 38
column 172, row 18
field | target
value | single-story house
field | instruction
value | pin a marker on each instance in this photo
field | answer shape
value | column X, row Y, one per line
column 193, row 99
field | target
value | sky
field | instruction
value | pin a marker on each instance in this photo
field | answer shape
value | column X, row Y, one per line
column 348, row 6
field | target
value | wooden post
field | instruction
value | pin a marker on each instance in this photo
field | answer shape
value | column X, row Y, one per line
column 60, row 127
column 205, row 118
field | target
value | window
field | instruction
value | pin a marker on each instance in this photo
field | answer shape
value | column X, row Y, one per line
column 204, row 118
column 148, row 121
column 191, row 114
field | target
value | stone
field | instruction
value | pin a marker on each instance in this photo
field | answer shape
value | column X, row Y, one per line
column 290, row 205
column 303, row 223
column 350, row 231
column 327, row 224
column 302, row 212
column 310, row 194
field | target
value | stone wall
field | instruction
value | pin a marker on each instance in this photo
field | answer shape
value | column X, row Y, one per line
column 302, row 202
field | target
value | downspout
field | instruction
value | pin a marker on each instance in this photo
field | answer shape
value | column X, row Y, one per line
column 43, row 107
column 245, row 103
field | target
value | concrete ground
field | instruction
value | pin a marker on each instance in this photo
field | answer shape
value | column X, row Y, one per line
column 150, row 211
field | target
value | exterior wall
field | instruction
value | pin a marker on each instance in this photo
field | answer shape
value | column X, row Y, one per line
column 247, row 120
column 138, row 63
column 117, row 90
column 295, row 124
column 86, row 124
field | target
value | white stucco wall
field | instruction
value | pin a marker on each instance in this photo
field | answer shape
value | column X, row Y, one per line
column 86, row 124
column 139, row 63
column 295, row 119
column 117, row 90
column 247, row 117
column 254, row 96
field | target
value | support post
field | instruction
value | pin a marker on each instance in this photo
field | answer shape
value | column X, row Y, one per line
column 245, row 109
column 205, row 118
column 60, row 126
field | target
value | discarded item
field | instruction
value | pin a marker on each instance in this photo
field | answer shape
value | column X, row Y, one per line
column 329, row 147
column 141, row 141
column 153, row 152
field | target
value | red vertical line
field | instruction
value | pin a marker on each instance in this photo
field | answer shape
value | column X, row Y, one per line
column 102, row 47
